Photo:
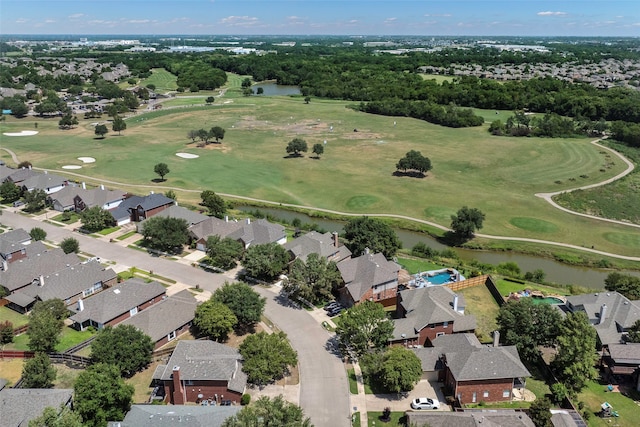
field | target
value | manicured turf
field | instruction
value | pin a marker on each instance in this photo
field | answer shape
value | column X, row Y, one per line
column 414, row 266
column 498, row 175
column 397, row 419
column 505, row 287
column 353, row 383
column 164, row 80
column 68, row 339
column 484, row 307
column 595, row 394
column 12, row 316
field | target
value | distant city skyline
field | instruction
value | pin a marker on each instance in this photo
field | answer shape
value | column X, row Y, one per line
column 580, row 18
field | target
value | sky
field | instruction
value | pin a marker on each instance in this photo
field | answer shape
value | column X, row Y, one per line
column 588, row 18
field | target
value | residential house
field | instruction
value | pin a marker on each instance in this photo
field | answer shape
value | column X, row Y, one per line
column 79, row 198
column 247, row 232
column 368, row 277
column 116, row 304
column 175, row 211
column 18, row 406
column 68, row 284
column 622, row 362
column 610, row 313
column 202, row 370
column 166, row 320
column 490, row 418
column 18, row 176
column 473, row 372
column 173, row 415
column 326, row 245
column 47, row 182
column 424, row 314
column 137, row 208
column 13, row 245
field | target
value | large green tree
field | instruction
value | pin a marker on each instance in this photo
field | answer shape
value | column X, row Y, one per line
column 297, row 146
column 38, row 372
column 576, row 358
column 466, row 221
column 223, row 253
column 362, row 328
column 101, row 395
column 217, row 133
column 269, row 412
column 633, row 335
column 216, row 204
column 61, row 417
column 312, row 280
column 46, row 321
column 401, row 370
column 95, row 219
column 414, row 160
column 267, row 357
column 527, row 326
column 37, row 233
column 124, row 346
column 69, row 245
column 266, row 261
column 161, row 169
column 118, row 124
column 35, row 200
column 101, row 130
column 540, row 413
column 10, row 192
column 318, row 150
column 378, row 236
column 214, row 320
column 245, row 303
column 165, row 233
column 626, row 284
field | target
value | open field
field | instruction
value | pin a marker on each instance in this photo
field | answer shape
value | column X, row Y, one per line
column 498, row 175
column 596, row 393
column 162, row 79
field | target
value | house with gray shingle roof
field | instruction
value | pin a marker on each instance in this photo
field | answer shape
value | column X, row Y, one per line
column 368, row 277
column 610, row 313
column 423, row 314
column 14, row 244
column 326, row 245
column 489, row 418
column 47, row 182
column 116, row 304
column 18, row 406
column 202, row 370
column 173, row 415
column 79, row 198
column 623, row 360
column 137, row 208
column 180, row 212
column 166, row 320
column 247, row 232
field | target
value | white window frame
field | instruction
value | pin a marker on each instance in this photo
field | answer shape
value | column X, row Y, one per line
column 474, row 397
column 172, row 335
column 506, row 393
column 133, row 311
column 485, row 393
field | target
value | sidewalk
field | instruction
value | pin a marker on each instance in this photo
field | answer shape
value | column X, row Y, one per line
column 359, row 401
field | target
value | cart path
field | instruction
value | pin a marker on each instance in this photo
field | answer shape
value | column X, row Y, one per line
column 544, row 196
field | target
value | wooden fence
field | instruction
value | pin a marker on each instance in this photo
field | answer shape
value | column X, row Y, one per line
column 16, row 354
column 469, row 283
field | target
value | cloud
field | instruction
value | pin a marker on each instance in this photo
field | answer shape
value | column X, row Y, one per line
column 136, row 21
column 49, row 21
column 390, row 20
column 239, row 21
column 440, row 15
column 21, row 21
column 76, row 16
column 549, row 13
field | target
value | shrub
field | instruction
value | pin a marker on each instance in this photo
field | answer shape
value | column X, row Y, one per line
column 245, row 399
column 6, row 332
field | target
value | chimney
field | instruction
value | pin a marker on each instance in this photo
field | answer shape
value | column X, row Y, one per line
column 336, row 242
column 603, row 313
column 248, row 220
column 178, row 392
column 496, row 338
column 455, row 302
column 5, row 265
column 366, row 251
column 80, row 305
column 226, row 218
column 84, row 186
column 102, row 186
column 41, row 280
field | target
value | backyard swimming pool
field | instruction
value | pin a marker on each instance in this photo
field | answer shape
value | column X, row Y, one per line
column 435, row 278
column 440, row 278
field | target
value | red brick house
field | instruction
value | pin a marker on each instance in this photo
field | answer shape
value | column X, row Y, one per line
column 368, row 277
column 13, row 245
column 138, row 208
column 424, row 314
column 202, row 370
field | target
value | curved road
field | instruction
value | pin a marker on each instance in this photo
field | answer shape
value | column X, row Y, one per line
column 324, row 391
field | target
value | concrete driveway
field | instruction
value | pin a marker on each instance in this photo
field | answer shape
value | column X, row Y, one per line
column 402, row 402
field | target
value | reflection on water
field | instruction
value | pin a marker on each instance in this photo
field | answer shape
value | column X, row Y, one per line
column 272, row 89
column 555, row 271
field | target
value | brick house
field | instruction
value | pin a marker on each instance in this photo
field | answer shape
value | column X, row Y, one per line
column 117, row 304
column 76, row 198
column 368, row 277
column 326, row 245
column 47, row 182
column 13, row 245
column 137, row 208
column 247, row 232
column 623, row 362
column 202, row 370
column 424, row 314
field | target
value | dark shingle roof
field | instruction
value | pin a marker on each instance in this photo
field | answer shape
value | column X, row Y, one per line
column 317, row 243
column 174, row 415
column 18, row 406
column 490, row 418
column 23, row 272
column 627, row 354
column 179, row 212
column 45, row 182
column 249, row 232
column 366, row 271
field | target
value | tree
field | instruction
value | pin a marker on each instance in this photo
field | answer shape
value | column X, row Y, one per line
column 527, row 326
column 267, row 357
column 10, row 192
column 214, row 320
column 627, row 285
column 414, row 160
column 576, row 358
column 297, row 146
column 307, row 99
column 540, row 413
column 216, row 205
column 61, row 417
column 633, row 334
column 266, row 261
column 69, row 245
column 363, row 327
column 101, row 130
column 118, row 124
column 217, row 133
column 6, row 332
column 260, row 91
column 161, row 169
column 54, row 306
column 267, row 412
column 365, row 232
column 95, row 219
column 171, row 194
column 101, row 395
column 192, row 135
column 124, row 346
column 165, row 233
column 318, row 149
column 35, row 200
column 223, row 253
column 466, row 222
column 38, row 372
column 312, row 280
column 37, row 234
column 245, row 303
column 68, row 121
column 401, row 370
column 44, row 331
column 209, row 100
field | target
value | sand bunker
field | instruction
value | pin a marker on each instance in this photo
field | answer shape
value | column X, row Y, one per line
column 71, row 167
column 22, row 133
column 187, row 155
column 87, row 159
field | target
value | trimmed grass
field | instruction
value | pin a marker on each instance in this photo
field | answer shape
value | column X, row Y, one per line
column 14, row 317
column 468, row 164
column 164, row 80
column 73, row 217
column 481, row 304
column 68, row 339
column 141, row 382
column 65, row 376
column 505, row 287
column 126, row 235
column 595, row 394
column 397, row 419
column 355, row 420
column 414, row 266
column 109, row 230
column 353, row 383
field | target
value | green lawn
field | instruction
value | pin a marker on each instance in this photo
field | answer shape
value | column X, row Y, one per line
column 68, row 339
column 73, row 217
column 414, row 266
column 398, row 419
column 162, row 79
column 595, row 394
column 484, row 307
column 353, row 383
column 126, row 235
column 498, row 175
column 14, row 317
column 505, row 287
column 108, row 230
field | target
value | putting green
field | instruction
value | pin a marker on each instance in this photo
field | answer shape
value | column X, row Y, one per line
column 623, row 239
column 534, row 224
column 357, row 203
column 441, row 214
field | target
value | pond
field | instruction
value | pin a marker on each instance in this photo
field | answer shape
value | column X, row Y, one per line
column 555, row 272
column 273, row 89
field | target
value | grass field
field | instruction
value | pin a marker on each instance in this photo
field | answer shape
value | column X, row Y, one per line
column 162, row 79
column 483, row 306
column 414, row 266
column 595, row 394
column 505, row 287
column 68, row 339
column 498, row 175
column 12, row 316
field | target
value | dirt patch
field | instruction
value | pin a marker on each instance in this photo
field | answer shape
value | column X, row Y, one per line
column 11, row 370
column 292, row 379
column 210, row 146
